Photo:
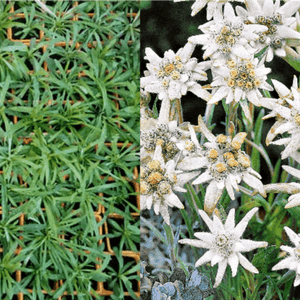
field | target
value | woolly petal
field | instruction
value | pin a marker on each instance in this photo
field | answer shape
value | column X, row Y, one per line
column 221, row 271
column 216, row 259
column 229, row 189
column 203, row 178
column 284, row 264
column 165, row 214
column 251, row 245
column 199, row 91
column 206, row 237
column 212, row 197
column 204, row 258
column 292, row 171
column 219, row 95
column 207, row 220
column 294, row 238
column 194, row 243
column 254, row 183
column 192, row 163
column 230, row 221
column 247, row 264
column 241, row 226
column 233, row 262
column 173, row 200
column 152, row 56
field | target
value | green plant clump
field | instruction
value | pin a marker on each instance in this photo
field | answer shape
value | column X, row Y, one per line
column 69, row 140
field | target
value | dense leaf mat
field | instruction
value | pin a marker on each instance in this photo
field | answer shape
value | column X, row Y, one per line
column 69, row 141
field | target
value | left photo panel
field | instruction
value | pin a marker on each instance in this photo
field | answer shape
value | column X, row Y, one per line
column 69, row 150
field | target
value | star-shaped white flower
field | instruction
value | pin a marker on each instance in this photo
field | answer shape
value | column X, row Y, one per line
column 158, row 181
column 225, row 244
column 277, row 18
column 240, row 80
column 227, row 36
column 225, row 165
column 292, row 262
column 175, row 74
column 287, row 111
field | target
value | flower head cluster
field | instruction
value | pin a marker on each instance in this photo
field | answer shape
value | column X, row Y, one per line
column 292, row 262
column 277, row 19
column 158, row 181
column 175, row 74
column 225, row 166
column 286, row 109
column 225, row 244
column 227, row 36
column 239, row 80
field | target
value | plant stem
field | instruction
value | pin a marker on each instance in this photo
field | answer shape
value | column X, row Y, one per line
column 231, row 118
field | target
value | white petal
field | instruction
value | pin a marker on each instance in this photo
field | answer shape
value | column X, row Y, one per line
column 295, row 239
column 219, row 95
column 165, row 214
column 200, row 92
column 203, row 178
column 207, row 220
column 284, row 264
column 238, row 94
column 216, row 259
column 254, row 183
column 205, row 237
column 221, row 270
column 229, row 12
column 229, row 188
column 230, row 221
column 292, row 171
column 152, row 56
column 247, row 264
column 241, row 226
column 251, row 245
column 204, row 258
column 233, row 262
column 192, row 163
column 212, row 197
column 240, row 51
column 173, row 200
column 194, row 243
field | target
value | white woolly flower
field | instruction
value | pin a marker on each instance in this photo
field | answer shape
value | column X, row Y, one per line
column 225, row 167
column 225, row 244
column 158, row 181
column 239, row 80
column 277, row 18
column 287, row 111
column 227, row 36
column 212, row 6
column 292, row 262
column 175, row 74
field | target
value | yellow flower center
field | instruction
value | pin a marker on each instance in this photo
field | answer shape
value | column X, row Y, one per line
column 221, row 139
column 220, row 167
column 145, row 188
column 169, row 68
column 232, row 163
column 154, row 165
column 236, row 145
column 155, row 178
column 213, row 153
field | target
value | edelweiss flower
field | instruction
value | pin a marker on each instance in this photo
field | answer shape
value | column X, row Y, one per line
column 227, row 35
column 175, row 74
column 287, row 111
column 277, row 19
column 226, row 165
column 292, row 262
column 240, row 80
column 212, row 6
column 158, row 181
column 224, row 243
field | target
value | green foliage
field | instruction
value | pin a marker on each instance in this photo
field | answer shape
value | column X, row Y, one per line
column 69, row 138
